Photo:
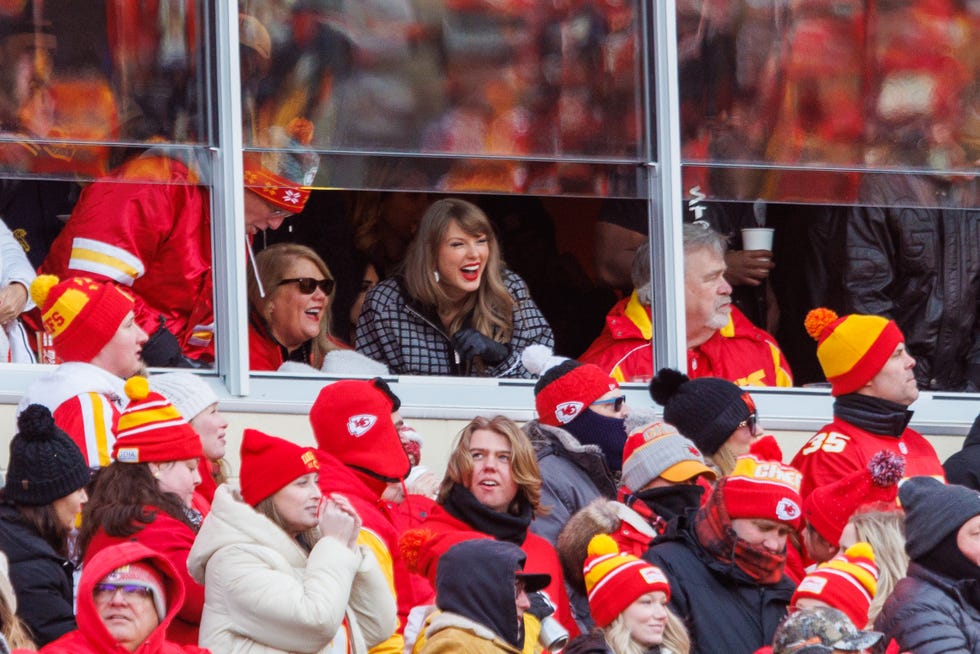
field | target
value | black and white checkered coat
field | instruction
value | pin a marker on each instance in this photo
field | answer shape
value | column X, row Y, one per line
column 410, row 339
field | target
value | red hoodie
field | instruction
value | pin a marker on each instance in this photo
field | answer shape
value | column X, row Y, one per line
column 92, row 637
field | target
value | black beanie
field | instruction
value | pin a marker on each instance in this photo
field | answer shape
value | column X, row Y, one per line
column 706, row 410
column 45, row 464
column 933, row 510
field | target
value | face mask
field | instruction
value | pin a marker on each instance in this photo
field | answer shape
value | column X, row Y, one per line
column 670, row 501
column 591, row 428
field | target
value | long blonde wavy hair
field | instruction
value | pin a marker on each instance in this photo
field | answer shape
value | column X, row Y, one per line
column 490, row 308
column 883, row 526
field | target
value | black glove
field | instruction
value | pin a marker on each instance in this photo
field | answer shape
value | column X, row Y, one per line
column 541, row 606
column 471, row 343
column 163, row 350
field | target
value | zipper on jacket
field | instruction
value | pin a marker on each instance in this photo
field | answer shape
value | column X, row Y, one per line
column 455, row 364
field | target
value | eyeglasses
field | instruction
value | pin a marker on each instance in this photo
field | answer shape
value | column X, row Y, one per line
column 616, row 402
column 308, row 285
column 750, row 422
column 105, row 592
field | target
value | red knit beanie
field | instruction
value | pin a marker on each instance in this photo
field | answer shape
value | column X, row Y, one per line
column 566, row 387
column 351, row 420
column 81, row 314
column 852, row 349
column 848, row 582
column 151, row 429
column 268, row 463
column 767, row 490
column 828, row 508
column 614, row 579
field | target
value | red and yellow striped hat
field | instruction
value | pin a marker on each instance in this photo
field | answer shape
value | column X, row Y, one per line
column 851, row 349
column 151, row 429
column 614, row 579
column 81, row 314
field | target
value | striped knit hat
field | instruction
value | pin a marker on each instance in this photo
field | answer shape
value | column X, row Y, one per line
column 848, row 582
column 852, row 349
column 614, row 579
column 151, row 429
column 81, row 314
column 283, row 175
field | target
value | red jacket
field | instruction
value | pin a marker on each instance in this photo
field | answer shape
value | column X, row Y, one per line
column 264, row 353
column 379, row 529
column 841, row 448
column 739, row 351
column 444, row 531
column 92, row 637
column 147, row 226
column 171, row 539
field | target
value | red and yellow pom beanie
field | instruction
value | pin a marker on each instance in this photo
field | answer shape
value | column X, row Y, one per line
column 614, row 579
column 852, row 349
column 151, row 429
column 848, row 582
column 283, row 175
column 81, row 314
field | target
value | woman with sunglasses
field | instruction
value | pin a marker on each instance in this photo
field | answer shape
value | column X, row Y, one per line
column 289, row 317
column 716, row 414
column 454, row 309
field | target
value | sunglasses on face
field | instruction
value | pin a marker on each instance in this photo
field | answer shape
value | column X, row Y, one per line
column 105, row 592
column 308, row 285
column 616, row 402
column 750, row 422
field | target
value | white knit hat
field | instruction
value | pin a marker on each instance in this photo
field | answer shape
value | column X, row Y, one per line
column 188, row 392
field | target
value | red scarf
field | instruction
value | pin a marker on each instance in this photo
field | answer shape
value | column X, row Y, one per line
column 713, row 528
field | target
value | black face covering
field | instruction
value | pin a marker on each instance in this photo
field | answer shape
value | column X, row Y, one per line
column 607, row 432
column 947, row 559
column 670, row 501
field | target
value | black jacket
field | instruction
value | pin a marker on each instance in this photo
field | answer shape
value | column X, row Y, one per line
column 914, row 256
column 928, row 613
column 42, row 579
column 410, row 339
column 725, row 610
column 963, row 468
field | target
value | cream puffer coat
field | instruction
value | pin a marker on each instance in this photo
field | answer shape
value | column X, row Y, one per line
column 264, row 594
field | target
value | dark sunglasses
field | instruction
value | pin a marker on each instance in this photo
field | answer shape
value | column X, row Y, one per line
column 750, row 422
column 308, row 285
column 616, row 402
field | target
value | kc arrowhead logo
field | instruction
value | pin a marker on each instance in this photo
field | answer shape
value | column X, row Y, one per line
column 360, row 424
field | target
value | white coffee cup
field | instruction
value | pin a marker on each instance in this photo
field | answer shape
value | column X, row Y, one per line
column 757, row 238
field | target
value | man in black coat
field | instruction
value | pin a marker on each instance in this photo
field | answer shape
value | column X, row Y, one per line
column 963, row 468
column 726, row 564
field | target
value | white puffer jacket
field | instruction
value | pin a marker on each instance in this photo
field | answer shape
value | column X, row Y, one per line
column 264, row 594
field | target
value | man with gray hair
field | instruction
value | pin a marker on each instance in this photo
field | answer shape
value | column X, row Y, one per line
column 721, row 341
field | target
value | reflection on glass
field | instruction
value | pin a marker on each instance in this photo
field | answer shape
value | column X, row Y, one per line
column 836, row 86
column 507, row 80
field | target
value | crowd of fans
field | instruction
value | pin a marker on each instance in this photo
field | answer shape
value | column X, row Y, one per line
column 593, row 528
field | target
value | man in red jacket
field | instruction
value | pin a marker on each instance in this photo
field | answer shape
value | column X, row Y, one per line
column 872, row 378
column 127, row 597
column 721, row 341
column 147, row 226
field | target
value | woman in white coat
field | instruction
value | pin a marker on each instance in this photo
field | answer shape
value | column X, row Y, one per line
column 280, row 564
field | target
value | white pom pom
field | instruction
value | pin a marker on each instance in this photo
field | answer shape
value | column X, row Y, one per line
column 538, row 359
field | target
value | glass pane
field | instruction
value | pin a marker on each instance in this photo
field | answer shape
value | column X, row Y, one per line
column 471, row 77
column 813, row 102
column 105, row 113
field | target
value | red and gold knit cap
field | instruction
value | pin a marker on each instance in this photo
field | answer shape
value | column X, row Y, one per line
column 761, row 489
column 152, row 430
column 848, row 582
column 614, row 579
column 852, row 349
column 283, row 175
column 269, row 463
column 81, row 314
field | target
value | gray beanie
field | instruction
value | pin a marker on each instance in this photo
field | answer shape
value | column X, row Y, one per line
column 933, row 510
column 187, row 392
